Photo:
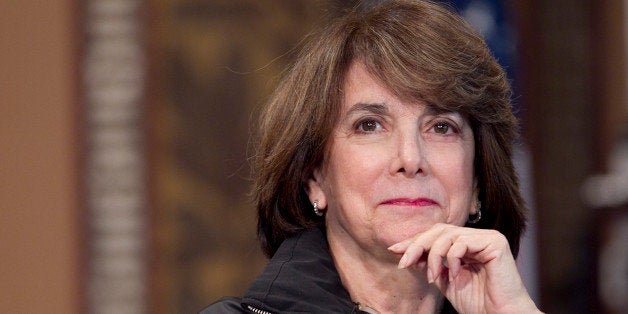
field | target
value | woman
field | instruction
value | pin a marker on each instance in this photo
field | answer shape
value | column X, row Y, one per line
column 384, row 181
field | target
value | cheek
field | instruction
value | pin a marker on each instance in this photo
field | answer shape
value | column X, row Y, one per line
column 354, row 170
column 454, row 170
column 453, row 163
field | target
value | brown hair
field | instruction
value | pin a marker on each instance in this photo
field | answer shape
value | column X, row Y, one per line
column 419, row 51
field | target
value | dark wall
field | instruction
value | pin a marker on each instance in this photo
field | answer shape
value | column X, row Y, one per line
column 573, row 83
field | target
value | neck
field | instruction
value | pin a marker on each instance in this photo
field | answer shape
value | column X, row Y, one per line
column 374, row 280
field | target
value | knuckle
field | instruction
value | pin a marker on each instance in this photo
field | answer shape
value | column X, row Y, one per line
column 465, row 238
column 499, row 237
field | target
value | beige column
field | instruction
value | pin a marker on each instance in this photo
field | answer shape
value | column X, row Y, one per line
column 39, row 207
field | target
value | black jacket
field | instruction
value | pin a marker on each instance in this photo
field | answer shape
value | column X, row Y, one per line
column 301, row 277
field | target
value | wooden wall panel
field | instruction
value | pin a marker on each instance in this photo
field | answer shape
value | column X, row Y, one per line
column 213, row 63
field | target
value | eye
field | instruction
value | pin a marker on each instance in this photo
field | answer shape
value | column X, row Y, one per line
column 368, row 126
column 441, row 128
column 444, row 128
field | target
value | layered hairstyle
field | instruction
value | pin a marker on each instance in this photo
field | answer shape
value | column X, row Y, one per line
column 420, row 51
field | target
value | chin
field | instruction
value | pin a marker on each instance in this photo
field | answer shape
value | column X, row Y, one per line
column 390, row 234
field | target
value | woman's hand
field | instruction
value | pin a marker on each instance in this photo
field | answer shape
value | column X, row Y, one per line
column 473, row 268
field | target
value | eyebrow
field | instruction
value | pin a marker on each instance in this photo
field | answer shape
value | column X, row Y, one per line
column 382, row 109
column 435, row 111
column 376, row 108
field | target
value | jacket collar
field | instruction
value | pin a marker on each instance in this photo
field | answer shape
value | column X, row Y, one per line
column 300, row 277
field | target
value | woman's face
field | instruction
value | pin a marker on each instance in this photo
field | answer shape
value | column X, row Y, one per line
column 394, row 168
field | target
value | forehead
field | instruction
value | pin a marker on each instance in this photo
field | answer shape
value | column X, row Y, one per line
column 361, row 87
column 363, row 92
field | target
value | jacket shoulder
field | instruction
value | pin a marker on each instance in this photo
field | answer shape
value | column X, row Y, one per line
column 226, row 305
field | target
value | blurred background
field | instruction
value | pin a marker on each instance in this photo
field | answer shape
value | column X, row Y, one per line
column 124, row 129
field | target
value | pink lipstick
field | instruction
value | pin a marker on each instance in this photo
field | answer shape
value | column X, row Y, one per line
column 410, row 202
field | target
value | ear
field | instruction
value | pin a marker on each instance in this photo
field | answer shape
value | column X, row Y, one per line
column 315, row 190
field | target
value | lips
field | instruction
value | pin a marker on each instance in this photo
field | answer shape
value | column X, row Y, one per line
column 410, row 202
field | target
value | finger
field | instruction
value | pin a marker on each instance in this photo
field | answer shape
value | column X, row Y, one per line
column 401, row 246
column 438, row 252
column 412, row 254
column 455, row 255
column 418, row 245
column 442, row 282
column 482, row 246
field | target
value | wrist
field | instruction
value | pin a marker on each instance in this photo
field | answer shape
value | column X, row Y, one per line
column 525, row 306
column 522, row 304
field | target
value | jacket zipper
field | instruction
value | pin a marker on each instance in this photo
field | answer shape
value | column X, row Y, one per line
column 256, row 310
column 361, row 308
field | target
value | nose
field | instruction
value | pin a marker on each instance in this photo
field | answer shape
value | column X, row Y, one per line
column 410, row 160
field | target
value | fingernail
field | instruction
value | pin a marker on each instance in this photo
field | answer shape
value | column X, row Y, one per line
column 393, row 247
column 430, row 276
column 402, row 262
